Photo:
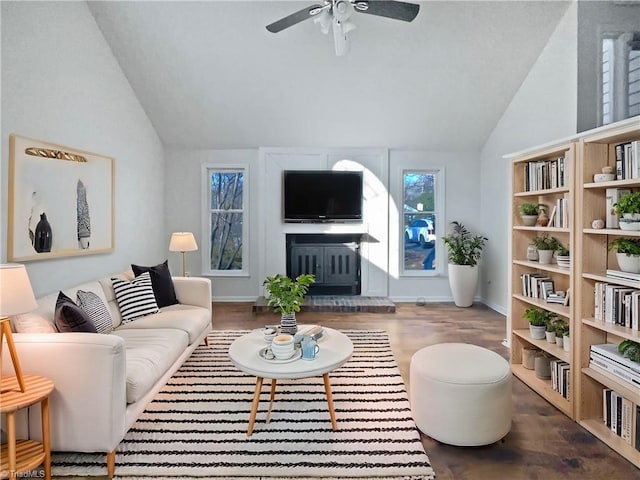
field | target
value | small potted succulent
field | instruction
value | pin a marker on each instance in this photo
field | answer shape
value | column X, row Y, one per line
column 560, row 327
column 627, row 253
column 529, row 213
column 550, row 332
column 546, row 245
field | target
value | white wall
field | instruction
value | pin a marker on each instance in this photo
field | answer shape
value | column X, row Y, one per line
column 543, row 110
column 61, row 83
column 183, row 209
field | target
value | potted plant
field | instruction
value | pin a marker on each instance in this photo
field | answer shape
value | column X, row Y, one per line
column 285, row 296
column 563, row 256
column 627, row 253
column 538, row 321
column 550, row 332
column 560, row 327
column 464, row 251
column 566, row 340
column 628, row 209
column 546, row 245
column 529, row 213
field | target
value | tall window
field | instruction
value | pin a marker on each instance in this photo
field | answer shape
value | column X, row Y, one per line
column 420, row 215
column 620, row 77
column 226, row 222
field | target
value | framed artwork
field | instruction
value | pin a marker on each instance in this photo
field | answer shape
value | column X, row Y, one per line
column 60, row 201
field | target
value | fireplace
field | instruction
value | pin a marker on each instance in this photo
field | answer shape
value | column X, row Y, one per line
column 333, row 258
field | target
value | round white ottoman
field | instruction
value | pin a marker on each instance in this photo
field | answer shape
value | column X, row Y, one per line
column 461, row 394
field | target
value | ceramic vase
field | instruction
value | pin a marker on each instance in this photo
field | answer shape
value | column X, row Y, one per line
column 288, row 323
column 543, row 367
column 537, row 332
column 529, row 220
column 43, row 236
column 628, row 263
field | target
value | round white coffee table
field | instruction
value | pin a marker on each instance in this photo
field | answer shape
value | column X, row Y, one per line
column 335, row 349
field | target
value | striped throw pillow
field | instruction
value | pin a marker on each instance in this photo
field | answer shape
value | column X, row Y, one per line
column 96, row 309
column 135, row 298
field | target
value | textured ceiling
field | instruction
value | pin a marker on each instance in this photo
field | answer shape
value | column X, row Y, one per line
column 209, row 74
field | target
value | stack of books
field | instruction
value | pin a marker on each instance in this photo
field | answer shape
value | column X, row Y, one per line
column 561, row 377
column 617, row 413
column 634, row 277
column 607, row 357
column 616, row 304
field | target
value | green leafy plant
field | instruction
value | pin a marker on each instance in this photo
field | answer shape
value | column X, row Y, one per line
column 629, row 246
column 539, row 317
column 529, row 209
column 545, row 242
column 464, row 248
column 286, row 295
column 561, row 327
column 562, row 251
column 630, row 349
column 628, row 203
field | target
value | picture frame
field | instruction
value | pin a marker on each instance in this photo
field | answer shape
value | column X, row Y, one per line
column 61, row 201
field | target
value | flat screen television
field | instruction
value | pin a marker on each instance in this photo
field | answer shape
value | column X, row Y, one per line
column 318, row 196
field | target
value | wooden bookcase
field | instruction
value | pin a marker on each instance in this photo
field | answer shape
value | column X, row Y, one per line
column 563, row 279
column 595, row 150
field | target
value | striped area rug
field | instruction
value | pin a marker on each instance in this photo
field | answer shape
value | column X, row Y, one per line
column 196, row 426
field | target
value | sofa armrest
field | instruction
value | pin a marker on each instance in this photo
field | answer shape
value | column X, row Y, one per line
column 88, row 403
column 194, row 291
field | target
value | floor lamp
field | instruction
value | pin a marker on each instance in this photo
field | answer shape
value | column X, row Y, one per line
column 183, row 242
column 16, row 296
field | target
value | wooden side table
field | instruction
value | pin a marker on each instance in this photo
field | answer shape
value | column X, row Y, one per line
column 25, row 455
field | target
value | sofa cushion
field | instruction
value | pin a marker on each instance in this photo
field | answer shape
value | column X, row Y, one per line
column 69, row 317
column 149, row 355
column 97, row 311
column 135, row 298
column 190, row 319
column 32, row 323
column 161, row 281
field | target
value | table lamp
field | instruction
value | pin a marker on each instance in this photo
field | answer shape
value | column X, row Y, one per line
column 16, row 297
column 183, row 242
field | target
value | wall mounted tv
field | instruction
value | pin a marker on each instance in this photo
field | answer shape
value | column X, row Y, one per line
column 318, row 196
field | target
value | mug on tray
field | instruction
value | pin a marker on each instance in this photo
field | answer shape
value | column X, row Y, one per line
column 310, row 348
column 282, row 346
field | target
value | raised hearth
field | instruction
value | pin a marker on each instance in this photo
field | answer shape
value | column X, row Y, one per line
column 336, row 303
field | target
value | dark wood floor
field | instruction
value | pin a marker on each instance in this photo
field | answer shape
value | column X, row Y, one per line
column 543, row 443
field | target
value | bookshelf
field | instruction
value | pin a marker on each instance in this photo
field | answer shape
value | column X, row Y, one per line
column 533, row 181
column 597, row 149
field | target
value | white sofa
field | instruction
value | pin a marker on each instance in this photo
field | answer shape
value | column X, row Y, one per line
column 104, row 381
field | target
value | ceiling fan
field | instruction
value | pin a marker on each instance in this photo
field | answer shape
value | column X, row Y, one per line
column 335, row 14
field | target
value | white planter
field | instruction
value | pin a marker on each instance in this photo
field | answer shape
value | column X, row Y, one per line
column 545, row 256
column 537, row 332
column 551, row 337
column 566, row 343
column 628, row 263
column 463, row 280
column 529, row 220
column 559, row 341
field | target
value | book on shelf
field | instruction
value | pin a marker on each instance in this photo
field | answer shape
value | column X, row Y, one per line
column 619, row 372
column 618, row 415
column 624, row 275
column 606, row 406
column 612, row 197
column 610, row 351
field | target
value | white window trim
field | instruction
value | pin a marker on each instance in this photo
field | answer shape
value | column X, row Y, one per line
column 441, row 257
column 206, row 219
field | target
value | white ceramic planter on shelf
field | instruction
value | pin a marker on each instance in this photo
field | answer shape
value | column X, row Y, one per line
column 545, row 256
column 628, row 263
column 537, row 332
column 463, row 280
column 566, row 343
column 529, row 220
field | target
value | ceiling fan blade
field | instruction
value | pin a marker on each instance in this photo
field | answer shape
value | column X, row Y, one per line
column 294, row 18
column 397, row 10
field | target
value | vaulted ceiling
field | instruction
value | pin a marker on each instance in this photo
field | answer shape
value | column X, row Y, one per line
column 209, row 75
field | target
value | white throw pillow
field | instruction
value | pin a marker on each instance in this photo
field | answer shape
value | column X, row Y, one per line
column 32, row 323
column 135, row 298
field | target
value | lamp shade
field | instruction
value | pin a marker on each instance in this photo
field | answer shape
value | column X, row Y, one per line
column 16, row 294
column 182, row 242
